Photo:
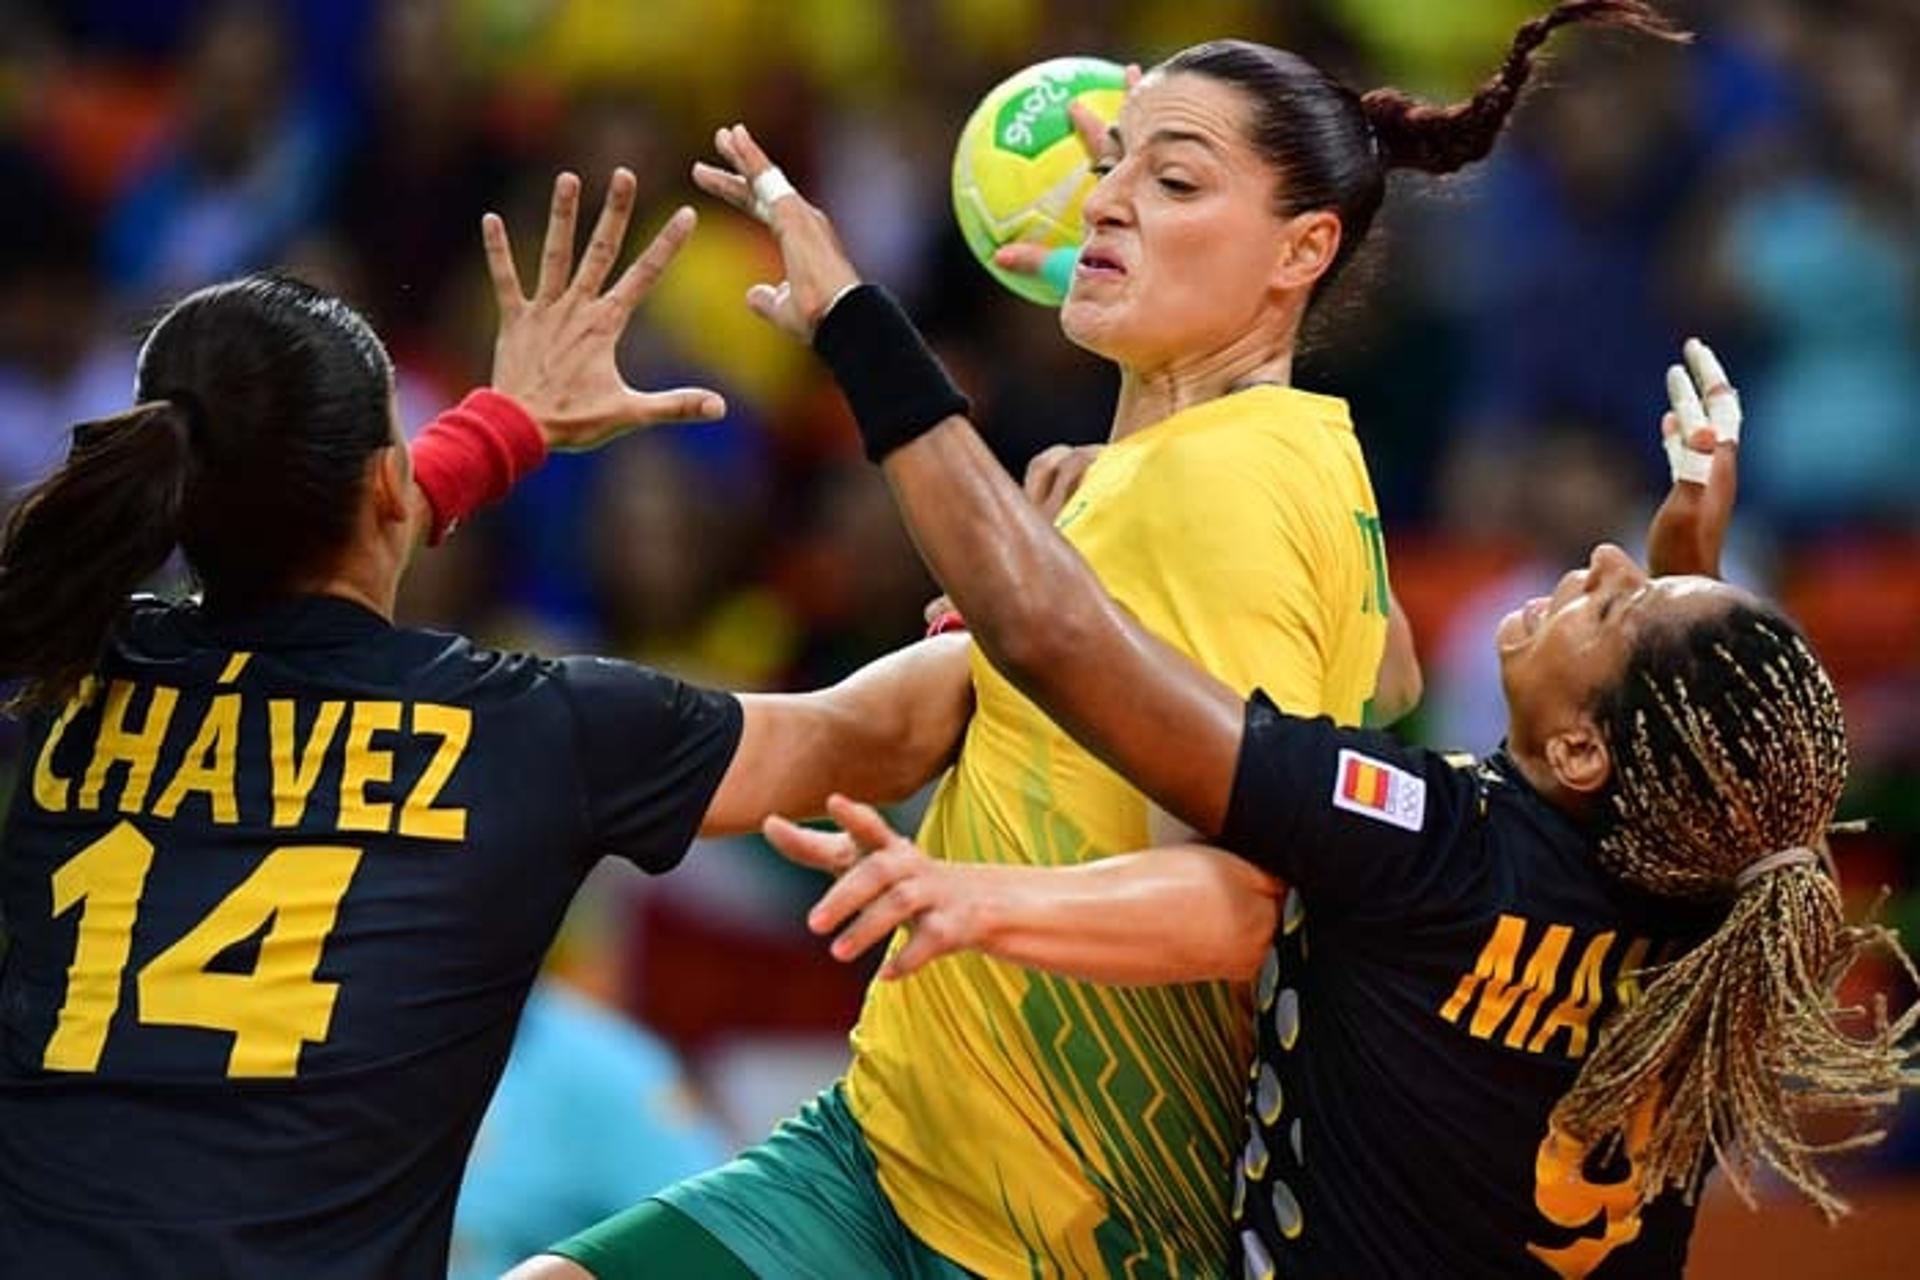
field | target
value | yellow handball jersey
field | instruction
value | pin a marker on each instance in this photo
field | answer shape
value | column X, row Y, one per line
column 1027, row 1125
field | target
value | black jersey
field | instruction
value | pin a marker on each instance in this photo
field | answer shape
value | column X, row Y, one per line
column 276, row 889
column 1447, row 952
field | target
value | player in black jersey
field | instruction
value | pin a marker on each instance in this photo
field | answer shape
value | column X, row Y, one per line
column 1467, row 1065
column 279, row 873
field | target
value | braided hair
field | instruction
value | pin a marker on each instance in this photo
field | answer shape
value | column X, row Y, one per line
column 1334, row 147
column 1730, row 755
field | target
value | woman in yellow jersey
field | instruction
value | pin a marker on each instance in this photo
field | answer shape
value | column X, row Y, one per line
column 1002, row 1122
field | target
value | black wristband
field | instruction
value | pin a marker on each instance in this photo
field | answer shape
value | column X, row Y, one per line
column 894, row 383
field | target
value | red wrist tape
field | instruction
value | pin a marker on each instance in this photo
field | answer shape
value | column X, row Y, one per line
column 472, row 455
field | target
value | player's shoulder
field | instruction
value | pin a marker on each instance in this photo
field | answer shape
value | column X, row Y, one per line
column 445, row 657
column 1374, row 774
column 1285, row 419
column 1265, row 439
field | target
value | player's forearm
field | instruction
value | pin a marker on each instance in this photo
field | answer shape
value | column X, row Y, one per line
column 893, row 725
column 1026, row 594
column 1183, row 913
column 1043, row 618
column 1035, row 607
column 880, row 734
column 470, row 456
column 1400, row 684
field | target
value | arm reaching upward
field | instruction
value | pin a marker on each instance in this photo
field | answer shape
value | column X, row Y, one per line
column 556, row 384
column 1032, row 603
column 1701, row 433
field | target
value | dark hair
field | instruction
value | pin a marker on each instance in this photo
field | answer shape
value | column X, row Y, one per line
column 1730, row 755
column 1334, row 147
column 259, row 402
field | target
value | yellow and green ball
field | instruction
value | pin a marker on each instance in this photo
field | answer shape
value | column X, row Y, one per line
column 1020, row 172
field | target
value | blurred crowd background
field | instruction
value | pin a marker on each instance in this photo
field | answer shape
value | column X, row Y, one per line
column 1503, row 350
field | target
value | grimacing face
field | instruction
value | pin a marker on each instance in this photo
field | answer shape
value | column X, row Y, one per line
column 1182, row 234
column 1558, row 652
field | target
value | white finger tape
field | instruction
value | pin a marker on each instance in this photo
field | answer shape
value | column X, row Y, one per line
column 769, row 189
column 1686, row 403
column 1723, row 402
column 1723, row 410
column 1689, row 465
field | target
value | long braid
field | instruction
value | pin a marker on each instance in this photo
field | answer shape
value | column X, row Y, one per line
column 1442, row 139
column 1729, row 746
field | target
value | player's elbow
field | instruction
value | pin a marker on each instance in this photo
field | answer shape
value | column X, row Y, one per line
column 1242, row 947
column 1399, row 685
column 1038, row 639
column 1398, row 693
column 903, row 747
column 1242, row 909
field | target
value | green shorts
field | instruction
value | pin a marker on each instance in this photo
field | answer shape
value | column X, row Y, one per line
column 805, row 1204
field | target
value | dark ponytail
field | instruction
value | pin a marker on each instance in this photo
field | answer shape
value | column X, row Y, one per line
column 261, row 401
column 1415, row 135
column 1333, row 148
column 82, row 540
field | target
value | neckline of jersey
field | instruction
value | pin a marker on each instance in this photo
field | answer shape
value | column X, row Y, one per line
column 303, row 619
column 1330, row 411
column 1566, row 826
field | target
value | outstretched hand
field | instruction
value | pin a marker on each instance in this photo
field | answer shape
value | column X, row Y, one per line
column 1701, row 433
column 818, row 271
column 884, row 882
column 555, row 352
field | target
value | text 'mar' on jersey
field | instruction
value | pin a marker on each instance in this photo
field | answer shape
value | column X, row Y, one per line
column 1447, row 952
column 276, row 890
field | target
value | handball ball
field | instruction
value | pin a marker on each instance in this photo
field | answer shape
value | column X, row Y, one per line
column 1020, row 172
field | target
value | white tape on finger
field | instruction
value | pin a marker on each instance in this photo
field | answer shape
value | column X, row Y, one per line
column 1723, row 410
column 1685, row 402
column 1689, row 465
column 1723, row 401
column 769, row 189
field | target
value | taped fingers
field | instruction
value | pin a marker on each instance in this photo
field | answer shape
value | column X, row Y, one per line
column 1684, row 463
column 769, row 188
column 1722, row 399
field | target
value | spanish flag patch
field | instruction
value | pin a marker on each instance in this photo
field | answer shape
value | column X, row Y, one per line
column 1375, row 789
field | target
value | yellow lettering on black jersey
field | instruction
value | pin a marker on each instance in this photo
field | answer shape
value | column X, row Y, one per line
column 1490, row 991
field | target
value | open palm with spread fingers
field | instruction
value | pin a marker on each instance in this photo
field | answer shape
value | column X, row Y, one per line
column 818, row 271
column 556, row 349
column 884, row 883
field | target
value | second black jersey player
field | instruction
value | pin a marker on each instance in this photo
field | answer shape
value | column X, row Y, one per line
column 1470, row 1028
column 279, row 872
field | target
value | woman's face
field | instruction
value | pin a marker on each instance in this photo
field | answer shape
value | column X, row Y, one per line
column 1182, row 235
column 1558, row 652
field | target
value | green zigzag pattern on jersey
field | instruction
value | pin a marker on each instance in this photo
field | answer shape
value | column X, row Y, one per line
column 1177, row 1162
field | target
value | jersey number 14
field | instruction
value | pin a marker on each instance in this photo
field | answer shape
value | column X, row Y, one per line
column 272, row 1011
